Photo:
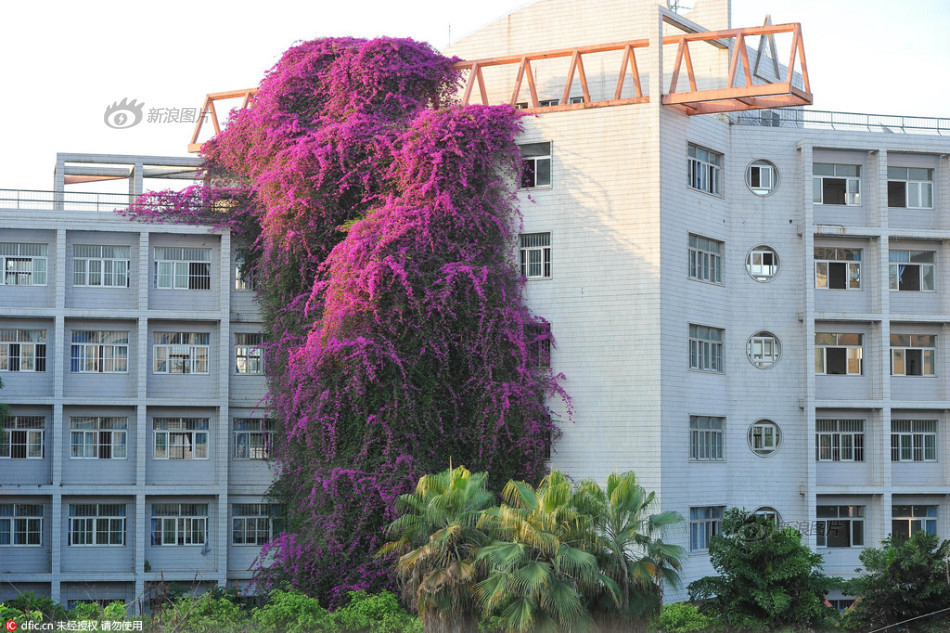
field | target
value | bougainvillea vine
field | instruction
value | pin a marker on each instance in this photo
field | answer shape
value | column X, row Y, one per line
column 381, row 223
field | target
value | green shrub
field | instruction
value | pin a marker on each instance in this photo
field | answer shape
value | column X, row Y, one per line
column 30, row 603
column 375, row 613
column 683, row 617
column 207, row 613
column 291, row 612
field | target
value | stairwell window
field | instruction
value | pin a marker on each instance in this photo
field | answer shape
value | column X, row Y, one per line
column 705, row 259
column 838, row 268
column 913, row 354
column 910, row 188
column 705, row 166
column 836, row 184
column 22, row 264
column 536, row 162
column 839, row 354
column 911, row 270
column 535, row 253
column 182, row 268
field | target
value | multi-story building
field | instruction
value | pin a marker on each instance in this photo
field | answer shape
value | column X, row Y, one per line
column 130, row 356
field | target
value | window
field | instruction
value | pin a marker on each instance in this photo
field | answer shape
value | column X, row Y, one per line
column 704, row 167
column 179, row 523
column 101, row 266
column 180, row 438
column 535, row 255
column 911, row 270
column 769, row 513
column 181, row 352
column 253, row 438
column 840, row 526
column 836, row 184
column 98, row 438
column 705, row 438
column 908, row 520
column 22, row 350
column 910, row 187
column 548, row 103
column 838, row 268
column 913, row 440
column 21, row 524
column 538, row 340
column 536, row 163
column 22, row 264
column 839, row 440
column 22, row 437
column 182, row 268
column 839, row 354
column 244, row 278
column 763, row 349
column 99, row 352
column 761, row 177
column 96, row 524
column 248, row 353
column 704, row 523
column 255, row 523
column 705, row 348
column 913, row 354
column 762, row 263
column 764, row 438
column 705, row 259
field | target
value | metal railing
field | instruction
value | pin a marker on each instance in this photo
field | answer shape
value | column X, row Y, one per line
column 843, row 121
column 34, row 199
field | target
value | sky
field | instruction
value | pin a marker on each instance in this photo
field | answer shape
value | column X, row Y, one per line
column 63, row 63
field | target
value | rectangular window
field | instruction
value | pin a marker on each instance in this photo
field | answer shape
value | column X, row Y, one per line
column 705, row 348
column 180, row 438
column 839, row 440
column 98, row 438
column 705, row 438
column 839, row 354
column 913, row 440
column 840, row 526
column 535, row 164
column 182, row 268
column 179, row 523
column 23, row 437
column 705, row 259
column 704, row 169
column 535, row 249
column 704, row 523
column 538, row 340
column 96, row 524
column 913, row 354
column 99, row 352
column 21, row 524
column 911, row 270
column 838, row 268
column 101, row 266
column 248, row 353
column 836, row 184
column 253, row 438
column 255, row 523
column 181, row 352
column 908, row 520
column 243, row 277
column 910, row 187
column 22, row 264
column 22, row 350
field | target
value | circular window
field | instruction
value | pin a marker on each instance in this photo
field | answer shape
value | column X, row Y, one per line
column 769, row 513
column 761, row 178
column 762, row 263
column 765, row 438
column 764, row 349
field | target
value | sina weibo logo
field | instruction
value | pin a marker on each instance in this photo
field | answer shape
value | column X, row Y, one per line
column 123, row 114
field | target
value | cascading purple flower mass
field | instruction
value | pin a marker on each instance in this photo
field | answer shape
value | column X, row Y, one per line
column 380, row 221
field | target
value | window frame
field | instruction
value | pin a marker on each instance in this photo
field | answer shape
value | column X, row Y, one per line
column 852, row 195
column 167, row 345
column 764, row 438
column 828, row 256
column 758, row 167
column 244, row 279
column 751, row 266
column 269, row 515
column 88, row 525
column 244, row 437
column 705, row 354
column 111, row 263
column 26, row 525
column 928, row 522
column 179, row 268
column 104, row 433
column 535, row 165
column 911, row 443
column 97, row 352
column 830, row 444
column 526, row 249
column 181, row 524
column 902, row 344
column 23, row 431
column 920, row 184
column 706, row 443
column 705, row 522
column 174, row 433
column 764, row 339
column 249, row 347
column 19, row 252
column 822, row 349
column 705, row 264
column 13, row 349
column 853, row 515
column 703, row 173
column 895, row 275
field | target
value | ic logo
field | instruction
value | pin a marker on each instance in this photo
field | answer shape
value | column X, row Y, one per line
column 11, row 625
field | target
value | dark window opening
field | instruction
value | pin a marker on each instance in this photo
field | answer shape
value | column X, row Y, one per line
column 837, row 275
column 833, row 190
column 836, row 361
column 896, row 193
column 908, row 277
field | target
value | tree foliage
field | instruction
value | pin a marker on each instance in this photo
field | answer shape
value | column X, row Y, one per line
column 767, row 576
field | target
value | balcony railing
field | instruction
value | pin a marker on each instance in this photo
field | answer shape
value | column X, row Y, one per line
column 843, row 121
column 34, row 199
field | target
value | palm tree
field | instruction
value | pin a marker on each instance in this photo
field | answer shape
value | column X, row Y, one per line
column 627, row 541
column 539, row 571
column 439, row 529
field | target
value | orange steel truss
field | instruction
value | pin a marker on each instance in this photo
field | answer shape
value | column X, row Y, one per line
column 748, row 95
